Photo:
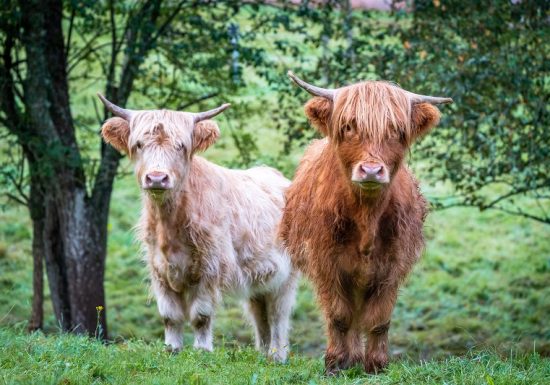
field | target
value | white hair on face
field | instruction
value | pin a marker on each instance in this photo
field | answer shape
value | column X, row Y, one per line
column 166, row 139
column 177, row 127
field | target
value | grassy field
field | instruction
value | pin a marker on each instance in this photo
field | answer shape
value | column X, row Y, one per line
column 67, row 359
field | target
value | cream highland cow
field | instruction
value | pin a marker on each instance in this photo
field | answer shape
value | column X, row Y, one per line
column 207, row 230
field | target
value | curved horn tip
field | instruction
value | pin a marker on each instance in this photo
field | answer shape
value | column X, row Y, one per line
column 313, row 90
column 292, row 76
column 105, row 101
column 443, row 101
column 114, row 109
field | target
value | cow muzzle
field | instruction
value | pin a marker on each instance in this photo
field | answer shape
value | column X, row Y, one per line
column 157, row 181
column 370, row 175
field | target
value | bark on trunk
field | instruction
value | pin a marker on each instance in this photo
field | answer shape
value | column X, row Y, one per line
column 37, row 316
column 74, row 247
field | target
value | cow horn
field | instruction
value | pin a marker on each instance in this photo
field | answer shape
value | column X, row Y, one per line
column 313, row 90
column 116, row 110
column 210, row 113
column 416, row 98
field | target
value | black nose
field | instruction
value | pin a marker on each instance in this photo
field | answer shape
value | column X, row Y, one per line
column 157, row 180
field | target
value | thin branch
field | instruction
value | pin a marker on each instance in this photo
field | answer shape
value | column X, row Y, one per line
column 518, row 212
column 97, row 114
column 7, row 86
column 168, row 21
column 83, row 52
column 184, row 106
column 506, row 196
column 70, row 33
column 17, row 199
column 18, row 187
column 90, row 51
column 521, row 213
column 114, row 50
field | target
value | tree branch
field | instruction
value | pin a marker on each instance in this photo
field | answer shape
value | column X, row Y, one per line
column 521, row 213
column 23, row 202
column 7, row 86
column 69, row 34
column 184, row 106
column 83, row 53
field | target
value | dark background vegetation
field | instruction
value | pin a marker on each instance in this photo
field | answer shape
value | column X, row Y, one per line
column 68, row 201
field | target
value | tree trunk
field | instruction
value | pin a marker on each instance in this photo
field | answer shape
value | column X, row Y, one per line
column 70, row 227
column 70, row 233
column 74, row 248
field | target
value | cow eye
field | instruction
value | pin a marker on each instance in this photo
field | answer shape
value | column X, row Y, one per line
column 181, row 148
column 348, row 129
column 139, row 145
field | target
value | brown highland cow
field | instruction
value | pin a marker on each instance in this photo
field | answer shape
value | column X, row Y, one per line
column 354, row 213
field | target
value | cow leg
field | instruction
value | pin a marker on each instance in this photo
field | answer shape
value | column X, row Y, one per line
column 338, row 315
column 279, row 307
column 257, row 307
column 377, row 315
column 201, row 315
column 171, row 310
column 355, row 347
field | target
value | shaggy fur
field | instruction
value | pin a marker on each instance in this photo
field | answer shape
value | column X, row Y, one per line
column 357, row 244
column 212, row 232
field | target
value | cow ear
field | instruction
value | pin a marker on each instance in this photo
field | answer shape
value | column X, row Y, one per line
column 319, row 110
column 116, row 132
column 424, row 117
column 205, row 133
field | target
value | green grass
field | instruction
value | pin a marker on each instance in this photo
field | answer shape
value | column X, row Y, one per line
column 68, row 359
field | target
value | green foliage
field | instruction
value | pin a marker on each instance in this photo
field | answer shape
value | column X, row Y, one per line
column 68, row 359
column 492, row 145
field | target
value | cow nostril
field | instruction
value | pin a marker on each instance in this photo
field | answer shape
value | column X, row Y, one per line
column 372, row 170
column 375, row 170
column 157, row 180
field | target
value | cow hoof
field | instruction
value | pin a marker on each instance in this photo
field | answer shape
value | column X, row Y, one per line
column 333, row 371
column 375, row 364
column 172, row 350
column 278, row 355
column 335, row 364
